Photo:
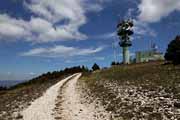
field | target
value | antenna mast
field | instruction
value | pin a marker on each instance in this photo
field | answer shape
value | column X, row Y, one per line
column 124, row 31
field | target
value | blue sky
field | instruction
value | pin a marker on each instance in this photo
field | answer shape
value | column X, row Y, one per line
column 38, row 36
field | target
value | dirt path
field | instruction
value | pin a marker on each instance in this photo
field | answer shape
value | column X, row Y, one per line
column 41, row 109
column 63, row 101
column 70, row 105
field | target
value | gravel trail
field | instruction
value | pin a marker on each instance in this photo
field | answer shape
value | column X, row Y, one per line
column 42, row 108
column 63, row 101
column 70, row 104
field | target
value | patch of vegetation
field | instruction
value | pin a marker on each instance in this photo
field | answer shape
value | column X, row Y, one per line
column 153, row 74
column 173, row 51
column 95, row 67
column 3, row 88
column 115, row 63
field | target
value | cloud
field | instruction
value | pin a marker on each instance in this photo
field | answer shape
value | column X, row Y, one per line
column 57, row 10
column 9, row 73
column 99, row 58
column 76, row 61
column 61, row 51
column 94, row 7
column 84, row 60
column 12, row 28
column 142, row 29
column 129, row 13
column 106, row 35
column 36, row 30
column 32, row 73
column 155, row 10
column 52, row 20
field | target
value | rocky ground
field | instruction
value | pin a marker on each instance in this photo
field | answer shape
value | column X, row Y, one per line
column 137, row 92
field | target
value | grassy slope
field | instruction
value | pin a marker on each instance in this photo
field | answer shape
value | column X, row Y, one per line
column 20, row 96
column 148, row 90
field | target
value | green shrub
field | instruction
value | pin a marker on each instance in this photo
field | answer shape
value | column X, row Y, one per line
column 173, row 51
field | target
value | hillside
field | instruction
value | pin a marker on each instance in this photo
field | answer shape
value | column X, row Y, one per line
column 62, row 101
column 16, row 98
column 21, row 96
column 140, row 91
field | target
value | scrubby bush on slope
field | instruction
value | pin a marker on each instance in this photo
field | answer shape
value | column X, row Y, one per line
column 173, row 51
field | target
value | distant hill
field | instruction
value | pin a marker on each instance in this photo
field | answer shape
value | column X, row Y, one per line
column 10, row 83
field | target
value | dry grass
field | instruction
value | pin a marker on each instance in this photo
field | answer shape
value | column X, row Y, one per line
column 151, row 74
column 123, row 89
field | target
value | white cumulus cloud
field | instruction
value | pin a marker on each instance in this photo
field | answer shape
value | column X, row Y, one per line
column 53, row 20
column 61, row 51
column 155, row 10
column 12, row 28
column 142, row 28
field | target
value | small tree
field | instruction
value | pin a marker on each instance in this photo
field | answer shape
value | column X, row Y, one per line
column 173, row 51
column 95, row 67
column 85, row 69
column 113, row 63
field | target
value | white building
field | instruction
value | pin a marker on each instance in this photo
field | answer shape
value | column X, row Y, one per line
column 146, row 56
